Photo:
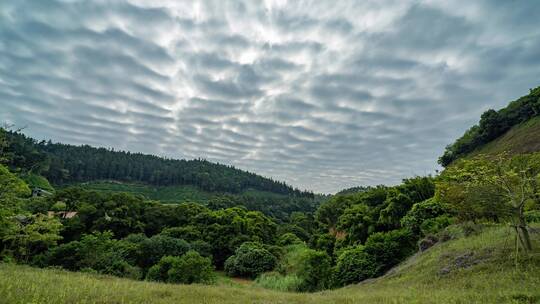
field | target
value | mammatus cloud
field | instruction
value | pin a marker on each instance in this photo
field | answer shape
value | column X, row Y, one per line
column 322, row 94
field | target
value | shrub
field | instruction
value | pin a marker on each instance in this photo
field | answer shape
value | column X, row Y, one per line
column 279, row 282
column 59, row 206
column 325, row 242
column 159, row 272
column 312, row 267
column 153, row 249
column 250, row 260
column 390, row 248
column 289, row 239
column 532, row 216
column 434, row 225
column 314, row 270
column 97, row 252
column 354, row 265
column 419, row 219
column 191, row 268
column 187, row 269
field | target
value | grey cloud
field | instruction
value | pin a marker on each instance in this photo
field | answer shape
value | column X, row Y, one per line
column 324, row 96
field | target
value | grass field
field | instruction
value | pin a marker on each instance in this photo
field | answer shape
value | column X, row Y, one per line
column 476, row 269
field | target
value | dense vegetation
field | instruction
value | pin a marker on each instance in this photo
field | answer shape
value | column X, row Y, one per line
column 61, row 163
column 492, row 125
column 357, row 234
column 481, row 270
column 155, row 178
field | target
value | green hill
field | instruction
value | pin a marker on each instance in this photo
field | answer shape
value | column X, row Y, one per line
column 522, row 138
column 67, row 164
column 513, row 128
column 475, row 269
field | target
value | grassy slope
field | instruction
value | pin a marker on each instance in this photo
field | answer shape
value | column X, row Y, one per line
column 523, row 138
column 492, row 279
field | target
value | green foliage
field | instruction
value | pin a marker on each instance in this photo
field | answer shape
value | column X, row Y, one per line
column 191, row 268
column 289, row 239
column 311, row 267
column 98, row 252
column 153, row 249
column 493, row 280
column 160, row 271
column 532, row 216
column 390, row 248
column 324, row 242
column 357, row 222
column 11, row 186
column 85, row 163
column 188, row 233
column 314, row 270
column 186, row 269
column 492, row 125
column 59, row 206
column 250, row 260
column 426, row 217
column 354, row 265
column 329, row 212
column 494, row 188
column 31, row 235
column 37, row 181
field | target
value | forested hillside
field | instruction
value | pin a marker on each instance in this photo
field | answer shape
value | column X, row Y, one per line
column 61, row 163
column 494, row 124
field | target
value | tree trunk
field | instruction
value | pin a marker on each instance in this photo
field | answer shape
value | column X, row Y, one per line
column 524, row 231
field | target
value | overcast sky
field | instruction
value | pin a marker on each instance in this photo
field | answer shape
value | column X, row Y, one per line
column 321, row 94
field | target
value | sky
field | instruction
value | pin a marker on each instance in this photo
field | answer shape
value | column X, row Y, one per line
column 324, row 95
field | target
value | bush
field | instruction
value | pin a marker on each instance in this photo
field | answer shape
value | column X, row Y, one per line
column 159, row 272
column 153, row 249
column 192, row 268
column 434, row 225
column 312, row 267
column 289, row 239
column 532, row 216
column 390, row 248
column 279, row 282
column 97, row 252
column 187, row 269
column 426, row 216
column 314, row 270
column 250, row 260
column 354, row 265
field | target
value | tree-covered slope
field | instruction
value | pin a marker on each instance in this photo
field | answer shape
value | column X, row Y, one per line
column 475, row 269
column 513, row 120
column 62, row 163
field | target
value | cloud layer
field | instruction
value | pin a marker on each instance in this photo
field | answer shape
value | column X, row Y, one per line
column 321, row 94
